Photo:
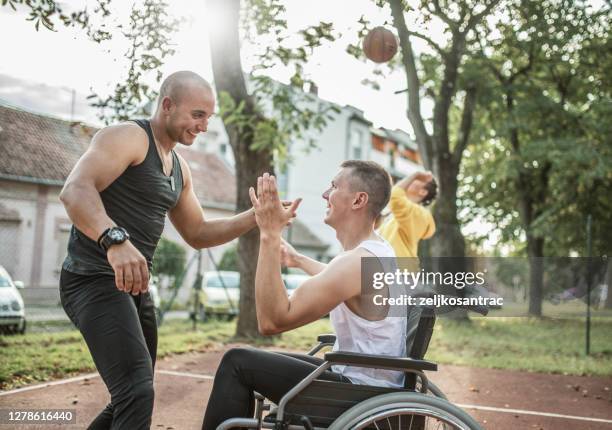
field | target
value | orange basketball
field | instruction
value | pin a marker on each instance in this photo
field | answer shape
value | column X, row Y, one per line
column 380, row 45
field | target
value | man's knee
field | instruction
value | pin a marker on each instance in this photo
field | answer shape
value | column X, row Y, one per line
column 140, row 394
column 144, row 393
column 235, row 357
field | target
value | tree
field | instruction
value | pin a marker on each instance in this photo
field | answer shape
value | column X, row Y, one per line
column 543, row 153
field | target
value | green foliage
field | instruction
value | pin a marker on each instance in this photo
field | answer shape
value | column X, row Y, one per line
column 229, row 260
column 541, row 138
column 169, row 259
column 284, row 113
column 49, row 12
column 149, row 31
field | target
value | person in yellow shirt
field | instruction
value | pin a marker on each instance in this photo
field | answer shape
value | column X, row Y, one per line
column 409, row 221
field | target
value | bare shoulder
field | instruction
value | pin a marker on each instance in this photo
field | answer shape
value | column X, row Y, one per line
column 348, row 261
column 126, row 138
column 186, row 171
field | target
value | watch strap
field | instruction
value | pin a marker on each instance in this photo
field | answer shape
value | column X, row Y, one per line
column 102, row 236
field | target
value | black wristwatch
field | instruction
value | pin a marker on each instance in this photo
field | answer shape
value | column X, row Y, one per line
column 112, row 236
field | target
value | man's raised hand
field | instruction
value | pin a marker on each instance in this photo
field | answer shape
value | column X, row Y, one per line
column 271, row 215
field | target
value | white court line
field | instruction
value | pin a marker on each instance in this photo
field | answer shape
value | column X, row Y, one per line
column 185, row 374
column 94, row 375
column 524, row 412
column 209, row 377
column 49, row 384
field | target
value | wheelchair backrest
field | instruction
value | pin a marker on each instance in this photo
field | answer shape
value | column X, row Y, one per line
column 420, row 324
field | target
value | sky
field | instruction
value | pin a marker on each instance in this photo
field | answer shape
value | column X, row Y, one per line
column 40, row 70
column 53, row 72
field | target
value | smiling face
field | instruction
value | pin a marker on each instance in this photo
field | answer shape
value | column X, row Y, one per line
column 340, row 198
column 187, row 114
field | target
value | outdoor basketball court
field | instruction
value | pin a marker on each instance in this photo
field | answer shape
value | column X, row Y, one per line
column 498, row 399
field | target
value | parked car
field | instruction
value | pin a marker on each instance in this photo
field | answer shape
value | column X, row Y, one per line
column 12, row 309
column 221, row 292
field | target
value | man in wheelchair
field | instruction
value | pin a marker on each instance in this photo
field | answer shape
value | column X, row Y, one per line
column 357, row 195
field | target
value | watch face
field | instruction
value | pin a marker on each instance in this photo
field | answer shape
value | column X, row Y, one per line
column 115, row 234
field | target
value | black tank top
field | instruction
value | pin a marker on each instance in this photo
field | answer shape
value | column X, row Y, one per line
column 138, row 201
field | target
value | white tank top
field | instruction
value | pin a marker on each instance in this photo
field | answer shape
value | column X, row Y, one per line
column 383, row 337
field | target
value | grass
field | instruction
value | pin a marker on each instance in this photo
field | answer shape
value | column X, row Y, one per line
column 554, row 346
column 535, row 345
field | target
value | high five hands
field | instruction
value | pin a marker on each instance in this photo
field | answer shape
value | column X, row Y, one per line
column 271, row 214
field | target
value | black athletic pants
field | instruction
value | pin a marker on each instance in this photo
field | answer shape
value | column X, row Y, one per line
column 244, row 370
column 121, row 333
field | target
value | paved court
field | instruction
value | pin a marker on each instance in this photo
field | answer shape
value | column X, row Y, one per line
column 498, row 399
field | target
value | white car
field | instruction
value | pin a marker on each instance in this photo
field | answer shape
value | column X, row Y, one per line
column 12, row 309
column 221, row 292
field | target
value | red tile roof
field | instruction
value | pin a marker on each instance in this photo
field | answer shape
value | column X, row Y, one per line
column 39, row 148
column 213, row 180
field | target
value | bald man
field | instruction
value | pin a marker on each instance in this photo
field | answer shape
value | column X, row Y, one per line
column 117, row 197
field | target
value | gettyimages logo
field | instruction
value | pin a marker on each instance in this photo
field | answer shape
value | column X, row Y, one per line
column 493, row 286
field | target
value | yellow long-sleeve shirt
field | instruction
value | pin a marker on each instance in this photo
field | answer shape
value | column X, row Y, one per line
column 409, row 223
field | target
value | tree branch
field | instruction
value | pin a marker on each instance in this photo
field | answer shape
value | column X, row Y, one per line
column 469, row 104
column 414, row 100
column 453, row 25
column 433, row 44
column 448, row 89
column 475, row 19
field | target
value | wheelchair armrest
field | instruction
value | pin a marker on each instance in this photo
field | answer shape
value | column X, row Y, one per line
column 326, row 338
column 379, row 361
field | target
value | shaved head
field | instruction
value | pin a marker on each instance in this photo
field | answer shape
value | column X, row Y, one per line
column 186, row 103
column 178, row 84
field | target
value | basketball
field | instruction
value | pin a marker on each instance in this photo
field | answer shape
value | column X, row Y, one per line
column 380, row 45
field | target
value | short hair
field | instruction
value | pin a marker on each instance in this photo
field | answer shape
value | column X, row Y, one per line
column 432, row 192
column 373, row 179
column 176, row 84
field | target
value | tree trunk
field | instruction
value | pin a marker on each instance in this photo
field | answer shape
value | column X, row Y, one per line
column 608, row 282
column 535, row 251
column 229, row 78
column 448, row 240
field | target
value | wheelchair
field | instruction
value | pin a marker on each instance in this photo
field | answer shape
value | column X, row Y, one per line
column 315, row 404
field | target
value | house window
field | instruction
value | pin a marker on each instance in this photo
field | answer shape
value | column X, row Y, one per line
column 62, row 237
column 9, row 245
column 356, row 144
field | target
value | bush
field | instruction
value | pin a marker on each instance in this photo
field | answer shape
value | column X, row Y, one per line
column 229, row 260
column 169, row 259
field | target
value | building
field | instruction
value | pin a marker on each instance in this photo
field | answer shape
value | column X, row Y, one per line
column 38, row 153
column 348, row 136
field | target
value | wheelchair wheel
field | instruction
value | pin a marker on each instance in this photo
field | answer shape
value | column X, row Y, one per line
column 433, row 390
column 405, row 411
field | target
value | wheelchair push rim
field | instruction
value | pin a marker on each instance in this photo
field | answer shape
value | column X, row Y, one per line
column 398, row 411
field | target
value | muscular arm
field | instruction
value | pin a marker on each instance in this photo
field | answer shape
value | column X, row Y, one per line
column 335, row 283
column 112, row 150
column 188, row 218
